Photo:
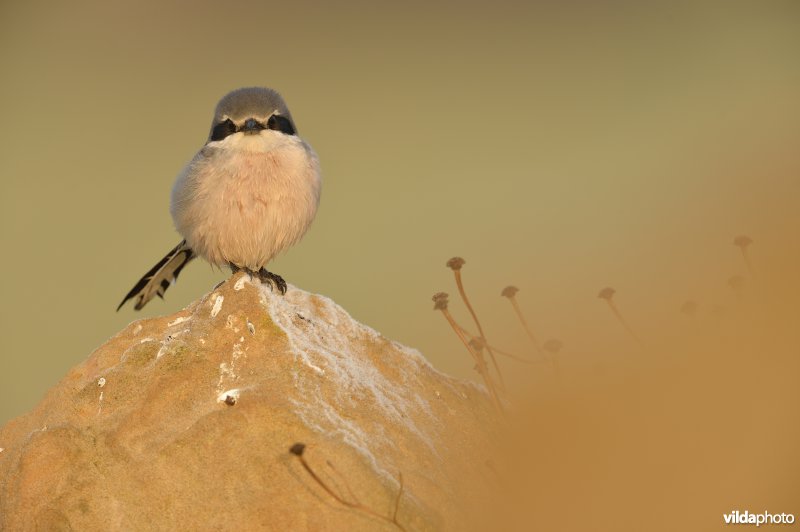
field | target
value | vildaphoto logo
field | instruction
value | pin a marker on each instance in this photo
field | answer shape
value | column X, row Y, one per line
column 746, row 518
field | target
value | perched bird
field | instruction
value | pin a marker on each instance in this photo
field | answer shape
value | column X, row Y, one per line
column 250, row 192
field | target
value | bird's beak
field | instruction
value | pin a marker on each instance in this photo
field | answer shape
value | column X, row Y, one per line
column 252, row 126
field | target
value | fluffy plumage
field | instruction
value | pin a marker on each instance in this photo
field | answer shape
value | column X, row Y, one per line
column 245, row 197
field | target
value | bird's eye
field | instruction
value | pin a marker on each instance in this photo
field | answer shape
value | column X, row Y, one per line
column 223, row 129
column 280, row 123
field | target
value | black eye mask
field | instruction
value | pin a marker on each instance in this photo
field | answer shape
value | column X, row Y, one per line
column 275, row 122
column 223, row 129
column 280, row 123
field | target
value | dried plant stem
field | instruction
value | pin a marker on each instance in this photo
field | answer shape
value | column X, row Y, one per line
column 553, row 348
column 481, row 363
column 743, row 242
column 353, row 496
column 504, row 353
column 463, row 293
column 343, row 480
column 624, row 323
column 297, row 450
column 525, row 325
column 746, row 257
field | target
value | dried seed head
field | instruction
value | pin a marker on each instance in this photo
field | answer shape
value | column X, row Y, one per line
column 440, row 301
column 477, row 344
column 742, row 241
column 297, row 449
column 552, row 346
column 455, row 263
column 736, row 282
column 689, row 308
column 606, row 293
column 509, row 291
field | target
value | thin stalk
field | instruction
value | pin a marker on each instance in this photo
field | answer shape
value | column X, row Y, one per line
column 481, row 363
column 504, row 353
column 746, row 257
column 525, row 325
column 478, row 324
column 743, row 242
column 624, row 323
column 298, row 449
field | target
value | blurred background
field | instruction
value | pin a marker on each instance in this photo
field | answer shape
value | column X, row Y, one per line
column 561, row 149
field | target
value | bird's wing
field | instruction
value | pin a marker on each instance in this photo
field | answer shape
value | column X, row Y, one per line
column 160, row 277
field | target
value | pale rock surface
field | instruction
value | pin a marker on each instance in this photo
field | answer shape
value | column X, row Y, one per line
column 140, row 437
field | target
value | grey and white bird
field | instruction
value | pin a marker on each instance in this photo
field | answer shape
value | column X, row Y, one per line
column 250, row 192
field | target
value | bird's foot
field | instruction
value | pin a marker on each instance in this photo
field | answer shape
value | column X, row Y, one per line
column 272, row 279
column 234, row 270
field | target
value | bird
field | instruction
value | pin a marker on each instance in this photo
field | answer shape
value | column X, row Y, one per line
column 250, row 193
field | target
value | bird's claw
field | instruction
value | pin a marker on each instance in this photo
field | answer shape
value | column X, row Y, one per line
column 272, row 279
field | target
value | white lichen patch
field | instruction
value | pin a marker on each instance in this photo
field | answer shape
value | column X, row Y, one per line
column 178, row 320
column 137, row 329
column 326, row 420
column 233, row 393
column 2, row 449
column 228, row 371
column 241, row 281
column 217, row 305
column 230, row 323
column 167, row 341
column 336, row 348
column 101, row 382
column 225, row 373
column 318, row 370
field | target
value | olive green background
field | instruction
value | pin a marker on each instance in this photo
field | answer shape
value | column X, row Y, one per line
column 561, row 149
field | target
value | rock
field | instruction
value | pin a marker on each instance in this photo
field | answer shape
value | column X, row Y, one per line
column 185, row 423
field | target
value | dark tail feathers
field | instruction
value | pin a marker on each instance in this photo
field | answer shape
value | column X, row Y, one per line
column 160, row 277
